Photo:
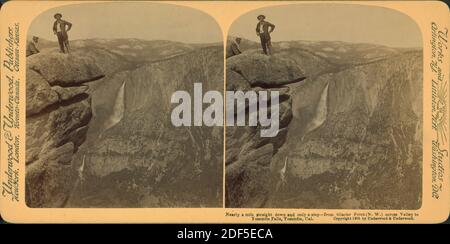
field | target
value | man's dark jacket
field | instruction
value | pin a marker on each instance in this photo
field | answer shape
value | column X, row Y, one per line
column 265, row 27
column 62, row 26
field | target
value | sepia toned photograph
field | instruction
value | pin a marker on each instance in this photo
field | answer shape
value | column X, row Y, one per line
column 213, row 115
column 349, row 79
column 100, row 77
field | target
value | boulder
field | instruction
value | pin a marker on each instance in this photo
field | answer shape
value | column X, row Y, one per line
column 67, row 93
column 50, row 179
column 39, row 93
column 248, row 155
column 246, row 179
column 64, row 69
column 265, row 71
column 58, row 114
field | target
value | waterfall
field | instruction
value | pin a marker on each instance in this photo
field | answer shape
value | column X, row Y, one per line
column 321, row 112
column 81, row 170
column 118, row 109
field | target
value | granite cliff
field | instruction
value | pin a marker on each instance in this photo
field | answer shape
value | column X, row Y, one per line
column 355, row 136
column 99, row 130
column 135, row 157
column 248, row 155
column 58, row 113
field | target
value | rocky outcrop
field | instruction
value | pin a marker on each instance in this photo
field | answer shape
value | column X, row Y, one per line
column 265, row 71
column 58, row 112
column 248, row 155
column 65, row 70
column 111, row 143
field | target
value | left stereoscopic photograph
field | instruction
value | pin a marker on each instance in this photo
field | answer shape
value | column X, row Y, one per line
column 100, row 77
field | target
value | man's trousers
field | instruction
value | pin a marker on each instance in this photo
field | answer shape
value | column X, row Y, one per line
column 265, row 41
column 63, row 39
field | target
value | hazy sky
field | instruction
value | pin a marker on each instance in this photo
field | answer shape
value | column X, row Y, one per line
column 333, row 22
column 151, row 21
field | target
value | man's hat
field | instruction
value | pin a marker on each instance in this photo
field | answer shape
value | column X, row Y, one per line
column 261, row 16
column 60, row 15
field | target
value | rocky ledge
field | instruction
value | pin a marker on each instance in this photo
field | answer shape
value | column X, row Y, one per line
column 58, row 111
column 248, row 155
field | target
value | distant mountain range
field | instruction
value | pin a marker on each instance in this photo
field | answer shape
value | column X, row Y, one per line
column 131, row 49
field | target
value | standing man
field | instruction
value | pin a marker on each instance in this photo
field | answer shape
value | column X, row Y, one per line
column 59, row 29
column 263, row 30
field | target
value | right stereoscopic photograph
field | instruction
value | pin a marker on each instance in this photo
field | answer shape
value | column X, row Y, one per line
column 347, row 132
